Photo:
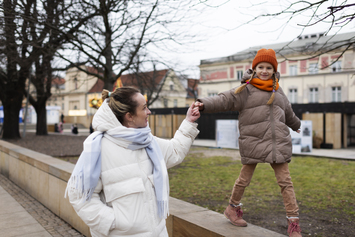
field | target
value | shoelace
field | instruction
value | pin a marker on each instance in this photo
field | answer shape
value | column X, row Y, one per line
column 239, row 212
column 293, row 227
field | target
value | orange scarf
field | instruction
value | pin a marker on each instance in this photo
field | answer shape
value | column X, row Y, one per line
column 264, row 85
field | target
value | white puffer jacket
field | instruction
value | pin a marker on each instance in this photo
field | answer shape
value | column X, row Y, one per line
column 124, row 202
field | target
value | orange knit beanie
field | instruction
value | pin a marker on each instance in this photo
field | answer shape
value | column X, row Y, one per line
column 265, row 55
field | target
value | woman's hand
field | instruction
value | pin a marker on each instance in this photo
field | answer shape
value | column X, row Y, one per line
column 193, row 113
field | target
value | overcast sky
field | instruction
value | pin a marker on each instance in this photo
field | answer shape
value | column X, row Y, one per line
column 226, row 36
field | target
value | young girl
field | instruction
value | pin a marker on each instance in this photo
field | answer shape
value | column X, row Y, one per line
column 264, row 117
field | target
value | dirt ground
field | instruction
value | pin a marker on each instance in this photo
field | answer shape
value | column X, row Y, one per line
column 324, row 223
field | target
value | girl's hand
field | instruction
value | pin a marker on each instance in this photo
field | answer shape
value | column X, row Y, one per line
column 193, row 113
column 199, row 105
column 298, row 131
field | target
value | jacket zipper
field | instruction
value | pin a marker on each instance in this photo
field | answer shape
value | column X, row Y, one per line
column 273, row 133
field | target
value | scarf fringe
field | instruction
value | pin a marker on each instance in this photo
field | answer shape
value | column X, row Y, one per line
column 163, row 209
column 75, row 187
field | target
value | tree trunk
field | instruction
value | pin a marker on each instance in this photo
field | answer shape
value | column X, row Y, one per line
column 11, row 117
column 41, row 126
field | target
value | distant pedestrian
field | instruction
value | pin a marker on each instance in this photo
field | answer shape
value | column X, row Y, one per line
column 56, row 128
column 74, row 128
column 264, row 117
column 62, row 118
column 60, row 127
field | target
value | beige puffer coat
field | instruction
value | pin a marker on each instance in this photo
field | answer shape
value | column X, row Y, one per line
column 264, row 134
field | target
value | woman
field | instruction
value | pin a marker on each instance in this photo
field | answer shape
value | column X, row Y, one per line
column 120, row 185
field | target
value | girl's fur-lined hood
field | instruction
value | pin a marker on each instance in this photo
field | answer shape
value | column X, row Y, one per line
column 249, row 72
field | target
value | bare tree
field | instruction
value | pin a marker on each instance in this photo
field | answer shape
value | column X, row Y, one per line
column 149, row 83
column 14, row 74
column 125, row 34
column 33, row 32
column 335, row 15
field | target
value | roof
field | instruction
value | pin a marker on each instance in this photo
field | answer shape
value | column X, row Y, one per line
column 57, row 81
column 144, row 79
column 97, row 87
column 305, row 45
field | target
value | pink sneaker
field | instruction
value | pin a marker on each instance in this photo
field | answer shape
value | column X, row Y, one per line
column 234, row 214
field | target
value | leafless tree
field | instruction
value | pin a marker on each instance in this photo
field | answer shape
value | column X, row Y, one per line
column 125, row 33
column 33, row 32
column 335, row 15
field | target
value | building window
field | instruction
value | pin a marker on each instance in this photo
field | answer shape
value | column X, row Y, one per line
column 313, row 68
column 75, row 83
column 313, row 95
column 74, row 105
column 239, row 75
column 336, row 67
column 62, row 106
column 175, row 102
column 292, row 96
column 171, row 85
column 210, row 94
column 336, row 94
column 165, row 103
column 293, row 70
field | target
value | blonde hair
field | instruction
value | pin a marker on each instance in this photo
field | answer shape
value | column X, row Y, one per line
column 121, row 101
column 242, row 87
column 272, row 97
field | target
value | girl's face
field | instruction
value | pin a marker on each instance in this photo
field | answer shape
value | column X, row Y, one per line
column 140, row 119
column 264, row 70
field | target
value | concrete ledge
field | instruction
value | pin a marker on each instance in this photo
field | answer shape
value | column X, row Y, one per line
column 45, row 178
column 194, row 221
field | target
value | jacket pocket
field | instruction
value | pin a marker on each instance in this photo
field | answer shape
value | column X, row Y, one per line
column 123, row 188
column 129, row 204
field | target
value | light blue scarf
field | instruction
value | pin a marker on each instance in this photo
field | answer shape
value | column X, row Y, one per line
column 87, row 170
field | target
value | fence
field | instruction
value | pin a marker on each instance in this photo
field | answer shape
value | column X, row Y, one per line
column 335, row 121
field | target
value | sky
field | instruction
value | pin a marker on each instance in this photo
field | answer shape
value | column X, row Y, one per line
column 221, row 25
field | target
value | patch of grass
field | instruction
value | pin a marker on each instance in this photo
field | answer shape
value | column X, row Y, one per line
column 320, row 183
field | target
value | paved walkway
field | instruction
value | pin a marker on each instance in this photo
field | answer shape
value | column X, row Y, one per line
column 344, row 153
column 22, row 215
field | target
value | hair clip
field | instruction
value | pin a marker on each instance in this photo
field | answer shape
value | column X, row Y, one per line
column 247, row 82
column 109, row 94
column 273, row 91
